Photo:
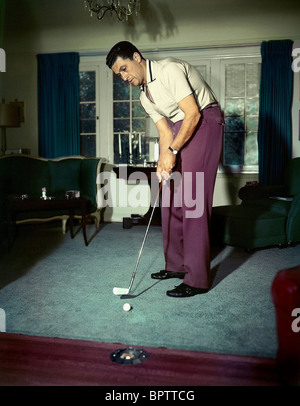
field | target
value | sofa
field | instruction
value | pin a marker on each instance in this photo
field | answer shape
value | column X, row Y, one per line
column 267, row 216
column 27, row 175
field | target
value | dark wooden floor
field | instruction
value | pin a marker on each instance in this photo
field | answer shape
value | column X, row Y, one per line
column 41, row 361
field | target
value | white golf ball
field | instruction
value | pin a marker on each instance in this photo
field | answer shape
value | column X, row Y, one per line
column 126, row 307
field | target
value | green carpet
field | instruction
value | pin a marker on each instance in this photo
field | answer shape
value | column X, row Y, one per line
column 54, row 286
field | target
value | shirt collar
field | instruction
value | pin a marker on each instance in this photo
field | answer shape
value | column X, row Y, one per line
column 150, row 75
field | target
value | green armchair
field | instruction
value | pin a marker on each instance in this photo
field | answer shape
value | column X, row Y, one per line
column 267, row 215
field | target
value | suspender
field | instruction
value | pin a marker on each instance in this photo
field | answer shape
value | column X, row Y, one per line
column 150, row 71
column 151, row 80
column 150, row 74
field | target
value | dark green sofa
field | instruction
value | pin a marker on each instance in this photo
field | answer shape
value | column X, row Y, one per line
column 24, row 174
column 267, row 215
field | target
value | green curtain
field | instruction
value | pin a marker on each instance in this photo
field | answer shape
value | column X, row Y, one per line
column 58, row 104
column 275, row 122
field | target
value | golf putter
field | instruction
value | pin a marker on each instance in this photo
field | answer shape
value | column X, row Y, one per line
column 124, row 291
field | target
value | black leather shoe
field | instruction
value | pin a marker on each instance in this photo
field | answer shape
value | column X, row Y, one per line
column 184, row 290
column 164, row 274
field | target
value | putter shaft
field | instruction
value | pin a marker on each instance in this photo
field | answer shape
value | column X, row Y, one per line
column 145, row 236
column 121, row 291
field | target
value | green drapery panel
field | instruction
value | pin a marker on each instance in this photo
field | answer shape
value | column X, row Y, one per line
column 275, row 122
column 58, row 108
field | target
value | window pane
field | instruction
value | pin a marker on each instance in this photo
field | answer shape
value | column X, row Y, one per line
column 87, row 126
column 87, row 86
column 135, row 93
column 88, row 110
column 121, row 110
column 121, row 125
column 234, row 124
column 233, row 149
column 139, row 125
column 138, row 110
column 251, row 149
column 252, row 123
column 88, row 145
column 121, row 148
column 252, row 106
column 234, row 107
column 121, row 89
column 235, row 80
column 252, row 79
column 136, row 147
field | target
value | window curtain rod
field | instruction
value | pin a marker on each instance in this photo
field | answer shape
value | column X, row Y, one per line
column 102, row 52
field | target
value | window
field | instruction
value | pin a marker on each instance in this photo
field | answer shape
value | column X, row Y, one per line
column 88, row 113
column 240, row 103
column 129, row 124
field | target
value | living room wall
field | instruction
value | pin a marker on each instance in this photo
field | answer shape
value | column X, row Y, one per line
column 47, row 26
column 33, row 27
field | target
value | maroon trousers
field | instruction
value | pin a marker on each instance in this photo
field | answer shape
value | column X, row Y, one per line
column 187, row 201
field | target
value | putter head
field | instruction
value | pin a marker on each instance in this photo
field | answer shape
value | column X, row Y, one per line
column 120, row 291
column 128, row 296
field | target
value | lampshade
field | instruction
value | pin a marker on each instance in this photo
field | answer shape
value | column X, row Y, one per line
column 9, row 115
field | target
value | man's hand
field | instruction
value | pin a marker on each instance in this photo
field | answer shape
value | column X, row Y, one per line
column 165, row 166
column 167, row 160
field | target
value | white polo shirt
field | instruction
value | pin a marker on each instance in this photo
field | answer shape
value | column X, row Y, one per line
column 170, row 81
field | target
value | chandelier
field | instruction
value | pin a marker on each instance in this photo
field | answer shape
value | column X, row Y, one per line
column 99, row 8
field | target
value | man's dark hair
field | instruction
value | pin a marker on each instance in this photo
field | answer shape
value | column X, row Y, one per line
column 124, row 49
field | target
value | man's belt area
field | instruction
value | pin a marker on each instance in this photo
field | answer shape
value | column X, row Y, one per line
column 210, row 105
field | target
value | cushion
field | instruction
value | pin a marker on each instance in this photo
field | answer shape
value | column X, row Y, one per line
column 65, row 175
column 25, row 175
column 278, row 206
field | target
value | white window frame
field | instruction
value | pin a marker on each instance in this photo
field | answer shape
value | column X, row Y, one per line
column 104, row 147
column 223, row 63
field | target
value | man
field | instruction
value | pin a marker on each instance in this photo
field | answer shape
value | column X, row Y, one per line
column 190, row 127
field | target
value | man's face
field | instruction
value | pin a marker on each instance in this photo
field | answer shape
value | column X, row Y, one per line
column 130, row 71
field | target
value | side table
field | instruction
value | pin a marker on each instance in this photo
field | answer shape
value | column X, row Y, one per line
column 16, row 205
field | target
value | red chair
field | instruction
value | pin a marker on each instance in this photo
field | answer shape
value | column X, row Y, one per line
column 286, row 298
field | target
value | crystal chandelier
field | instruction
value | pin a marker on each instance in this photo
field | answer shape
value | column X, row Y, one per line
column 99, row 8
